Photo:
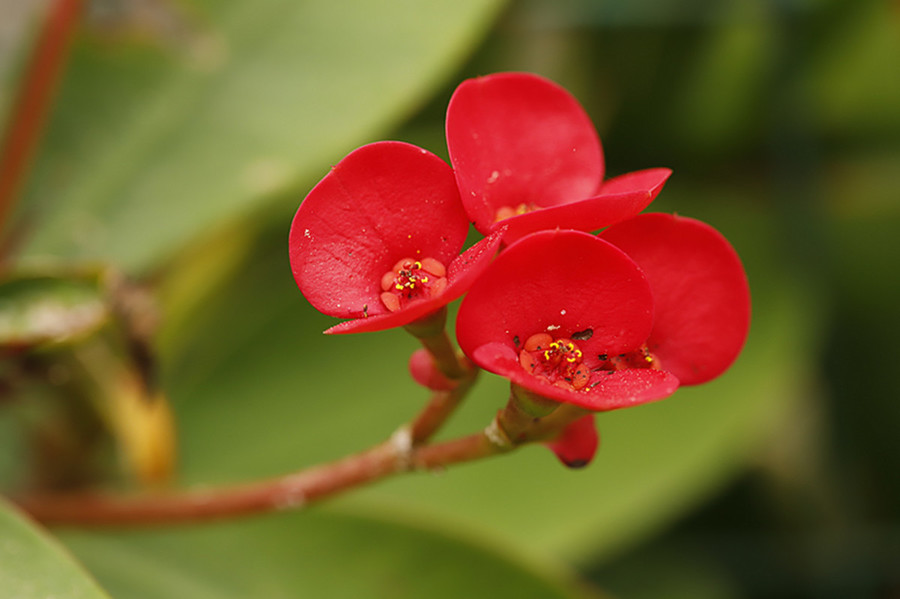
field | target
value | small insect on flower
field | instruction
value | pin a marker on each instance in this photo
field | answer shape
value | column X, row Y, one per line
column 583, row 335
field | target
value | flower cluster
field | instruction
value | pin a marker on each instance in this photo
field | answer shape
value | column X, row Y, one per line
column 598, row 321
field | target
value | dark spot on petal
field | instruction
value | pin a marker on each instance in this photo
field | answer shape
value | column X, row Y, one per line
column 603, row 357
column 581, row 463
column 583, row 335
column 516, row 341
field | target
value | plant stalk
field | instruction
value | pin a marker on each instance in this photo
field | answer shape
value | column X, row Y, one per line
column 292, row 491
column 32, row 103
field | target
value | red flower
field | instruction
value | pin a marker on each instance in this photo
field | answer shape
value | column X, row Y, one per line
column 563, row 314
column 378, row 239
column 573, row 318
column 525, row 153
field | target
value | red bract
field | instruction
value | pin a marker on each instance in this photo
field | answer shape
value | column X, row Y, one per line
column 526, row 154
column 565, row 315
column 573, row 319
column 577, row 443
column 700, row 292
column 378, row 239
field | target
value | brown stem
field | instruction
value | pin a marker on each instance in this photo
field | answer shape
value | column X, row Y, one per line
column 512, row 427
column 521, row 423
column 432, row 334
column 457, row 372
column 290, row 491
column 445, row 357
column 31, row 105
column 438, row 409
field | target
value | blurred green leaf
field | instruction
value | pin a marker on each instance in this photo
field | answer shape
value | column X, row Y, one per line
column 641, row 13
column 160, row 135
column 34, row 566
column 40, row 308
column 308, row 555
column 259, row 392
column 854, row 91
column 714, row 109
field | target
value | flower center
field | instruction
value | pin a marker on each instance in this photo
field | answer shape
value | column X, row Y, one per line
column 557, row 361
column 509, row 211
column 560, row 362
column 412, row 280
column 639, row 358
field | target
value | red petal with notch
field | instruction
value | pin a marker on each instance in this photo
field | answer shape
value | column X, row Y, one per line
column 383, row 202
column 516, row 138
column 700, row 291
column 576, row 445
column 620, row 198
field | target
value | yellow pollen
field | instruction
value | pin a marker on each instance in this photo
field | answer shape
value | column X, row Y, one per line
column 543, row 356
column 404, row 281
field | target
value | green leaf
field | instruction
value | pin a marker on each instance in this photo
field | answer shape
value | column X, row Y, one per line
column 727, row 81
column 260, row 392
column 853, row 96
column 34, row 565
column 309, row 555
column 44, row 308
column 154, row 142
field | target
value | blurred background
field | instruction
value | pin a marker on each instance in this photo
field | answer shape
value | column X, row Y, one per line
column 184, row 135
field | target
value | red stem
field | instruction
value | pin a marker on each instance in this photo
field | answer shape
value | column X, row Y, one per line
column 31, row 105
column 511, row 428
column 457, row 371
column 286, row 492
column 438, row 409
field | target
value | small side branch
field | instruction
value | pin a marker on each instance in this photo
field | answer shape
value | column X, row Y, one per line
column 439, row 408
